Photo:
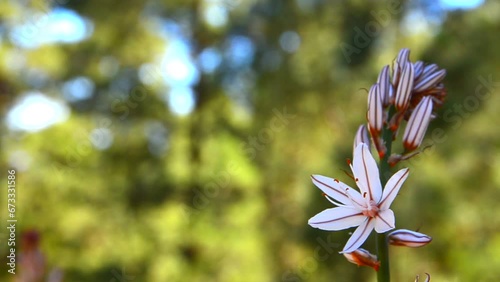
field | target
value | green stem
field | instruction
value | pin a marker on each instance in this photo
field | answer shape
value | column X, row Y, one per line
column 384, row 274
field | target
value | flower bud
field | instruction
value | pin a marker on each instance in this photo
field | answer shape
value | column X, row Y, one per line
column 419, row 68
column 362, row 257
column 429, row 69
column 399, row 64
column 385, row 86
column 375, row 111
column 404, row 55
column 417, row 124
column 380, row 146
column 408, row 238
column 362, row 136
column 426, row 82
column 428, row 279
column 394, row 159
column 405, row 87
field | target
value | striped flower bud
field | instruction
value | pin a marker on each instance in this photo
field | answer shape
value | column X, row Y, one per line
column 417, row 124
column 362, row 257
column 362, row 136
column 408, row 238
column 385, row 86
column 405, row 87
column 428, row 81
column 419, row 68
column 427, row 279
column 429, row 69
column 375, row 111
column 399, row 64
column 404, row 55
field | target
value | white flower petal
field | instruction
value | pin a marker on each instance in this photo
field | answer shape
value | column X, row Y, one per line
column 337, row 219
column 384, row 221
column 359, row 236
column 392, row 188
column 333, row 188
column 365, row 170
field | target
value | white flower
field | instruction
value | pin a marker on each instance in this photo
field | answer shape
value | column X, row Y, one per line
column 368, row 209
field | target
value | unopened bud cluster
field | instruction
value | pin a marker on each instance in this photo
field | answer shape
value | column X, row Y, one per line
column 411, row 94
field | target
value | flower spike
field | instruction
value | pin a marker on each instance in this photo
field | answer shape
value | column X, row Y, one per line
column 406, row 95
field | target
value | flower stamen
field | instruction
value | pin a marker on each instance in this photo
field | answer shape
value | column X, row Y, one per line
column 372, row 209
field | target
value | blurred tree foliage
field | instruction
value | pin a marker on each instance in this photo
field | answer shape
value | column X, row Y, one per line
column 223, row 193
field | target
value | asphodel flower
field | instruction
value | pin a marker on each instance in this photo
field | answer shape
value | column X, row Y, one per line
column 362, row 257
column 408, row 238
column 367, row 209
column 417, row 124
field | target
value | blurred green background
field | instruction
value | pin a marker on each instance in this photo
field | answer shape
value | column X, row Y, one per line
column 173, row 140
